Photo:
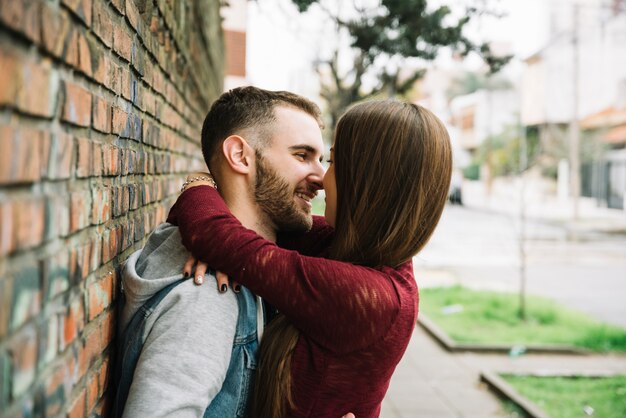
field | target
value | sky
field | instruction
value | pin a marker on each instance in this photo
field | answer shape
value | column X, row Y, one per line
column 283, row 44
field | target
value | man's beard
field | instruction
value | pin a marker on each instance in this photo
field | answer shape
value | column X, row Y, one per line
column 276, row 199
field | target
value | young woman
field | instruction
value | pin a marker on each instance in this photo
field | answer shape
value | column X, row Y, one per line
column 348, row 299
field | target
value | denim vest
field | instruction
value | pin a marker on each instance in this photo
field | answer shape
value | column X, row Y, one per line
column 232, row 399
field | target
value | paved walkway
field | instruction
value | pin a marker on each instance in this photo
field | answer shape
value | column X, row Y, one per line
column 433, row 383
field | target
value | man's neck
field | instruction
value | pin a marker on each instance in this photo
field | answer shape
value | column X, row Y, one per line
column 249, row 217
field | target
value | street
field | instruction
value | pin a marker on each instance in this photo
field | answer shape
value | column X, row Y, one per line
column 481, row 249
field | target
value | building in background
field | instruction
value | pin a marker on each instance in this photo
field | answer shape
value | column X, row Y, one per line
column 583, row 63
column 483, row 114
column 235, row 23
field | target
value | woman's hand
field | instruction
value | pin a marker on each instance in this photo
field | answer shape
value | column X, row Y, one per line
column 201, row 268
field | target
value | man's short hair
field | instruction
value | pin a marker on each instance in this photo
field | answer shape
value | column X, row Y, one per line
column 248, row 109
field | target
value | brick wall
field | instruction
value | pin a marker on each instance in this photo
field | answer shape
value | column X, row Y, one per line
column 101, row 104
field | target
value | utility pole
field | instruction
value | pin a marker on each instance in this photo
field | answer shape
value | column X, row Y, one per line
column 523, row 165
column 574, row 130
column 489, row 144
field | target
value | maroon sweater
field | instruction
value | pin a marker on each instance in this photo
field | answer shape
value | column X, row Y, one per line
column 355, row 321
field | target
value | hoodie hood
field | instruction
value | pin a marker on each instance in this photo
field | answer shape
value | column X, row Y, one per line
column 152, row 268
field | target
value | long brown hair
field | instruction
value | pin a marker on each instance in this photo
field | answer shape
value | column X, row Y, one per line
column 393, row 163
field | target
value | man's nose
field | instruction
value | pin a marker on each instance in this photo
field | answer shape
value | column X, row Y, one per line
column 317, row 177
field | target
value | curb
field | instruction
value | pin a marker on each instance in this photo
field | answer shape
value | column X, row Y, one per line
column 503, row 389
column 452, row 346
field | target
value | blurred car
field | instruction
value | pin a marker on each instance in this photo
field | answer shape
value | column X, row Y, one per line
column 455, row 195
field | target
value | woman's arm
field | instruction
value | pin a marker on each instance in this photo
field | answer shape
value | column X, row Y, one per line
column 314, row 242
column 339, row 305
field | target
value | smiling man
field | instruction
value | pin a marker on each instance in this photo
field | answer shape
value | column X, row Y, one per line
column 190, row 351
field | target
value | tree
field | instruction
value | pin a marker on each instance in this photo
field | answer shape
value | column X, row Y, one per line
column 382, row 39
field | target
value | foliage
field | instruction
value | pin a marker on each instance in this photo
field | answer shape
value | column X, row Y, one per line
column 471, row 81
column 492, row 317
column 383, row 39
column 472, row 171
column 565, row 397
column 504, row 150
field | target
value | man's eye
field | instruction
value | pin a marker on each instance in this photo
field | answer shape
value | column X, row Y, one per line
column 301, row 155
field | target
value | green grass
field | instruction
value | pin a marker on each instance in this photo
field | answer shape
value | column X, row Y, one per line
column 565, row 397
column 493, row 317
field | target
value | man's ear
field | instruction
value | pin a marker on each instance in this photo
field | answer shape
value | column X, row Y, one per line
column 238, row 154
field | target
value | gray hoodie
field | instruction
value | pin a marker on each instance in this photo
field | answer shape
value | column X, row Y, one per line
column 188, row 338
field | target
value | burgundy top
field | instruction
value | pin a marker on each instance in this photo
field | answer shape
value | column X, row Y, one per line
column 355, row 321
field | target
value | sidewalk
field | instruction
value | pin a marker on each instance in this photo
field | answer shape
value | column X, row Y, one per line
column 541, row 204
column 433, row 383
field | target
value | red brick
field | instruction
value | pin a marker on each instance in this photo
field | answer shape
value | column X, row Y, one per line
column 77, row 106
column 55, row 29
column 102, row 23
column 96, row 252
column 31, row 156
column 109, row 245
column 155, row 24
column 29, row 222
column 58, row 385
column 60, row 162
column 101, row 210
column 102, row 408
column 80, row 262
column 98, row 165
column 6, row 292
column 22, row 16
column 101, row 114
column 55, row 274
column 23, row 151
column 77, row 407
column 125, row 83
column 122, row 42
column 73, row 323
column 49, row 341
column 70, row 54
column 100, row 296
column 57, row 223
column 110, row 156
column 108, row 324
column 9, row 73
column 84, row 55
column 12, row 14
column 81, row 8
column 80, row 209
column 93, row 392
column 23, row 352
column 119, row 5
column 8, row 143
column 148, row 74
column 114, row 77
column 148, row 101
column 100, row 61
column 83, row 160
column 37, row 77
column 132, row 13
column 90, row 351
column 103, row 375
column 119, row 122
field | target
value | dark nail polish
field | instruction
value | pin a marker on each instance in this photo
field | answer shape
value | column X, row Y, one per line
column 223, row 288
column 185, row 274
column 237, row 288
